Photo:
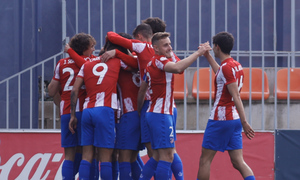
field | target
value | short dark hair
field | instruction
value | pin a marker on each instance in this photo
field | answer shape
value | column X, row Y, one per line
column 225, row 41
column 110, row 46
column 157, row 24
column 144, row 29
column 81, row 42
column 158, row 36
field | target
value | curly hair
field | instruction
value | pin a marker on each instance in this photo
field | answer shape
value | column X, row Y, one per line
column 81, row 42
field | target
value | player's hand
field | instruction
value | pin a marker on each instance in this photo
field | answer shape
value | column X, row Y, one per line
column 108, row 55
column 67, row 47
column 249, row 132
column 73, row 124
column 204, row 48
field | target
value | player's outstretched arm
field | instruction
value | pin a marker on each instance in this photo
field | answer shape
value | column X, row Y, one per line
column 119, row 40
column 233, row 90
column 213, row 63
column 180, row 66
column 79, row 61
column 74, row 95
column 127, row 59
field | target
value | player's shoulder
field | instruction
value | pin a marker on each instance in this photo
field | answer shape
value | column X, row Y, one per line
column 63, row 60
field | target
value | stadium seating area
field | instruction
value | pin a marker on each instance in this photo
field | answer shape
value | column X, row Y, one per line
column 259, row 84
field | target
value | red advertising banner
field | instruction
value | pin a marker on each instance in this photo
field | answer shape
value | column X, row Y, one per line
column 30, row 156
column 39, row 156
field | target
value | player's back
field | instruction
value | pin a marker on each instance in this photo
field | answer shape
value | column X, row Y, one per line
column 128, row 83
column 66, row 72
column 100, row 80
column 229, row 72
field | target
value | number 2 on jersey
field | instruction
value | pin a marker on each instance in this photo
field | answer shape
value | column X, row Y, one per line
column 67, row 85
column 101, row 73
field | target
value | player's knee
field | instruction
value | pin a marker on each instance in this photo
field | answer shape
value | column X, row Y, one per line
column 236, row 164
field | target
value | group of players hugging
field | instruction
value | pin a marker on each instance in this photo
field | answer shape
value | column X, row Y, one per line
column 116, row 104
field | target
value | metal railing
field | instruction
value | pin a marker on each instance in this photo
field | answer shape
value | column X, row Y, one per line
column 246, row 24
column 187, row 102
column 31, row 80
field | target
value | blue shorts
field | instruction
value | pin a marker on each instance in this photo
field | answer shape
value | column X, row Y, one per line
column 98, row 127
column 161, row 130
column 129, row 131
column 174, row 121
column 145, row 133
column 223, row 135
column 67, row 138
column 117, row 125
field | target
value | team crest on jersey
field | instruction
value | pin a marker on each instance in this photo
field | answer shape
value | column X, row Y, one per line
column 171, row 140
column 163, row 58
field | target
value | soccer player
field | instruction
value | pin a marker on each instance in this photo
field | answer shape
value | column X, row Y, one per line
column 159, row 79
column 227, row 118
column 60, row 87
column 98, row 120
column 158, row 25
column 141, row 45
column 128, row 133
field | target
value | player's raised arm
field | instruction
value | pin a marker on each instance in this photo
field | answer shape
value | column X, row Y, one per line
column 119, row 40
column 213, row 63
column 127, row 59
column 180, row 66
column 79, row 60
column 162, row 46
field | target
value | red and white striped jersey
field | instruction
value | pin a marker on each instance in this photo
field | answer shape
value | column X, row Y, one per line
column 229, row 72
column 65, row 72
column 128, row 88
column 161, row 85
column 100, row 80
column 144, row 51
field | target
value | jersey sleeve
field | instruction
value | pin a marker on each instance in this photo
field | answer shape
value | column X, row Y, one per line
column 119, row 40
column 161, row 62
column 123, row 65
column 228, row 73
column 127, row 59
column 56, row 75
column 79, row 61
column 81, row 73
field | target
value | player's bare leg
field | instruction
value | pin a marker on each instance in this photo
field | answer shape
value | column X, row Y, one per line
column 238, row 163
column 206, row 158
column 149, row 149
column 70, row 153
column 88, row 153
